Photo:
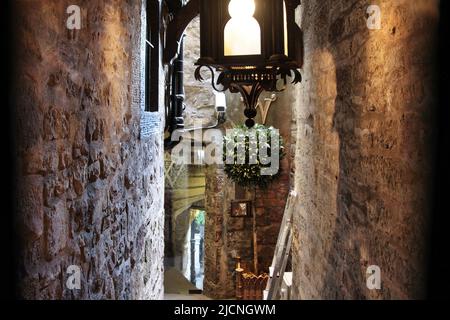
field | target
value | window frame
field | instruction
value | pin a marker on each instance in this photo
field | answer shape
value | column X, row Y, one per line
column 152, row 56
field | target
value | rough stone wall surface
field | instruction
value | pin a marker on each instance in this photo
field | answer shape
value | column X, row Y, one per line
column 225, row 237
column 89, row 189
column 362, row 164
column 200, row 98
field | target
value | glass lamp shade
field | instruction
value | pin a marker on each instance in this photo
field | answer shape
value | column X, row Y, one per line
column 248, row 33
column 242, row 33
column 252, row 44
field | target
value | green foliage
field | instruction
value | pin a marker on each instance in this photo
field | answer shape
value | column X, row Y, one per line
column 246, row 167
column 200, row 218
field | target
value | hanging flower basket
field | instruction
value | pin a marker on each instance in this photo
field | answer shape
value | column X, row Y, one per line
column 249, row 155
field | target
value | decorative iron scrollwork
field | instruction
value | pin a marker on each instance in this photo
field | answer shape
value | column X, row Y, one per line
column 250, row 82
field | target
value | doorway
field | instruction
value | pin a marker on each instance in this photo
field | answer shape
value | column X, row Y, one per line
column 184, row 228
column 195, row 242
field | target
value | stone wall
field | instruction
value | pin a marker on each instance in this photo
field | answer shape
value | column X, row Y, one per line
column 225, row 237
column 363, row 156
column 89, row 189
column 200, row 98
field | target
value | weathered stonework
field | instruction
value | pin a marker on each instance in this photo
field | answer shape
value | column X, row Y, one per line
column 89, row 189
column 200, row 98
column 225, row 237
column 363, row 155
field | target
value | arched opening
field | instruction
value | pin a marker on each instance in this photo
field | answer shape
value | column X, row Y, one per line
column 185, row 212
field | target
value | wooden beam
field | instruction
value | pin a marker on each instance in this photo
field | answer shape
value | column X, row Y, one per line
column 176, row 27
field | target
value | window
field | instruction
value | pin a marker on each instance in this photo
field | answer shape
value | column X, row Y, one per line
column 152, row 56
column 149, row 69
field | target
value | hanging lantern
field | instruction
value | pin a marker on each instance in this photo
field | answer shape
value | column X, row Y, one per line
column 253, row 45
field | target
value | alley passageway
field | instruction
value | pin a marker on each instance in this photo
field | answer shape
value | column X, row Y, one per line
column 116, row 196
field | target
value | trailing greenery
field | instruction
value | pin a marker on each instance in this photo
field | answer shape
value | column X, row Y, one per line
column 245, row 169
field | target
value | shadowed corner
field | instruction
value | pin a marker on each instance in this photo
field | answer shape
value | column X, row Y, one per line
column 8, row 234
column 438, row 269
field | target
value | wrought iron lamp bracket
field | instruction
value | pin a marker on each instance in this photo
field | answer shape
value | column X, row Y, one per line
column 250, row 82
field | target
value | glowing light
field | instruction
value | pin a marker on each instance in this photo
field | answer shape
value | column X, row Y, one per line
column 241, row 8
column 242, row 33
